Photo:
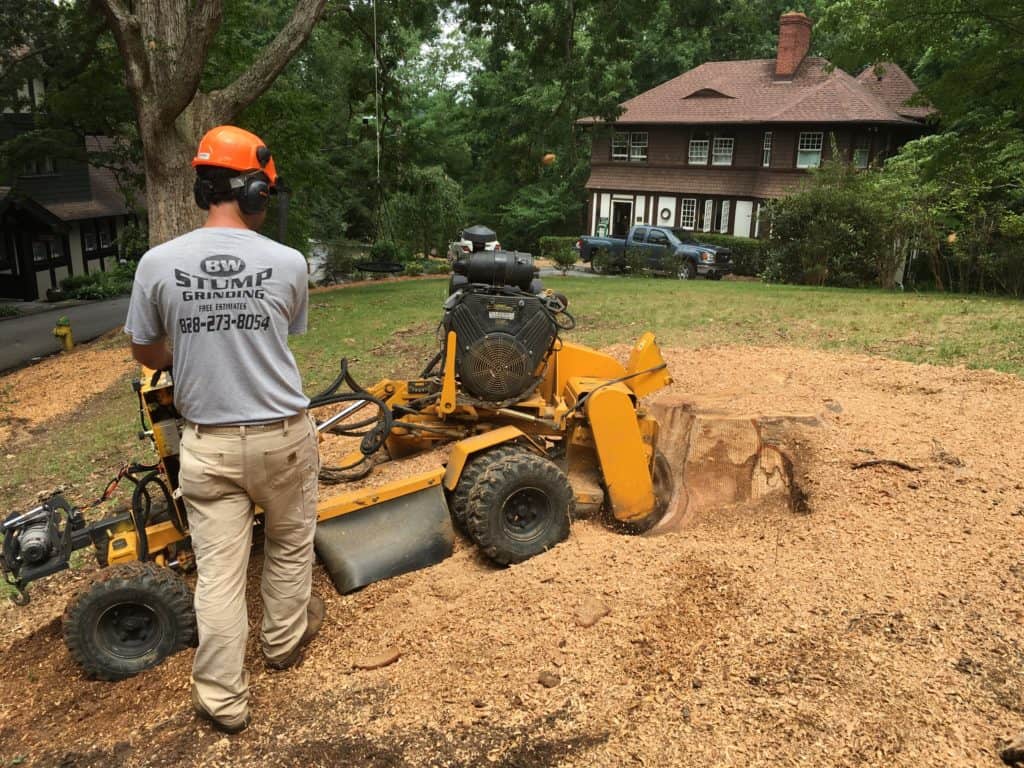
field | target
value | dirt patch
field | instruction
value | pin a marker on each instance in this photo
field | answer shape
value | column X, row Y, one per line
column 882, row 627
column 31, row 396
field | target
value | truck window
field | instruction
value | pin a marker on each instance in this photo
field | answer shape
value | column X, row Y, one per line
column 657, row 237
column 640, row 235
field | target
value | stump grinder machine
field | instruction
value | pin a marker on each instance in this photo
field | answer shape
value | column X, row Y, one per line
column 538, row 430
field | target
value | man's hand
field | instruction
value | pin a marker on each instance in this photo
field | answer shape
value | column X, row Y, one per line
column 156, row 356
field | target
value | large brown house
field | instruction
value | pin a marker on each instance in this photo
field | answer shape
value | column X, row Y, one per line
column 705, row 150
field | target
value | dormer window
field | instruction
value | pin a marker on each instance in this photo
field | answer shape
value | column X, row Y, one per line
column 629, row 145
column 40, row 166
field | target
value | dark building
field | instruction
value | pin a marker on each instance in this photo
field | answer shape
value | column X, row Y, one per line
column 58, row 217
column 705, row 150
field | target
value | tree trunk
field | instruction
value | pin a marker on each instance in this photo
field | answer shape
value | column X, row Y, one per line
column 164, row 46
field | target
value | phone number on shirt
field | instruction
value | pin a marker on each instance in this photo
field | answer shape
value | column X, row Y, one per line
column 224, row 322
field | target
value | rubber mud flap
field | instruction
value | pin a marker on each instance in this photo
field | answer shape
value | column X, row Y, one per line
column 387, row 539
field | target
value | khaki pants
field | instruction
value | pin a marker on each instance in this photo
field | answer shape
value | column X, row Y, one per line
column 225, row 471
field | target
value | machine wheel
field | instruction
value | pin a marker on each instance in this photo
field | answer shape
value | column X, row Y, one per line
column 520, row 508
column 132, row 617
column 458, row 500
column 688, row 271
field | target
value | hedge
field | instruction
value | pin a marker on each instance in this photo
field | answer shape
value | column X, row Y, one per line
column 100, row 285
column 748, row 254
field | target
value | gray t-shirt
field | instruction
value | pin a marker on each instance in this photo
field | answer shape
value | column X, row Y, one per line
column 227, row 299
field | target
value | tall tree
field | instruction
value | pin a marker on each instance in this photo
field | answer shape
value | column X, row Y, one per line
column 164, row 45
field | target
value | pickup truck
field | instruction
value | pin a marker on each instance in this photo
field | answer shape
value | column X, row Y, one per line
column 691, row 257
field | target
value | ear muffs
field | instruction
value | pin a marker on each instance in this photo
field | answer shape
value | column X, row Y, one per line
column 202, row 191
column 252, row 192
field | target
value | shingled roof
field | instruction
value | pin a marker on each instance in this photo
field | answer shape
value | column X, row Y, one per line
column 894, row 88
column 736, row 92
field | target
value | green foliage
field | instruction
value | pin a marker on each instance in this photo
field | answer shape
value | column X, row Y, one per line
column 828, row 234
column 132, row 241
column 748, row 253
column 6, row 310
column 636, row 261
column 385, row 251
column 100, row 285
column 560, row 249
column 421, row 217
column 603, row 262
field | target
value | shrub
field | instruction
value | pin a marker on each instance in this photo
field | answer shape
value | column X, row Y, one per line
column 384, row 250
column 436, row 267
column 748, row 254
column 604, row 262
column 415, row 267
column 6, row 310
column 636, row 261
column 552, row 245
column 100, row 285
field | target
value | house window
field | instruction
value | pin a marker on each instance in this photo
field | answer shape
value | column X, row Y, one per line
column 629, row 146
column 721, row 151
column 808, row 153
column 766, row 150
column 103, row 231
column 638, row 145
column 699, row 151
column 48, row 250
column 620, row 146
column 688, row 213
column 709, row 214
column 7, row 261
column 89, row 241
column 861, row 151
column 723, row 217
column 41, row 166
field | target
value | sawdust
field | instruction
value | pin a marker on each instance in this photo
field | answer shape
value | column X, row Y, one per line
column 29, row 397
column 882, row 627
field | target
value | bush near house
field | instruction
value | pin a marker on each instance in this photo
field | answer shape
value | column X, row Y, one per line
column 100, row 285
column 560, row 249
column 748, row 254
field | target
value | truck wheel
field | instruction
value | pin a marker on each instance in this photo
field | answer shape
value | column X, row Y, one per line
column 688, row 271
column 131, row 618
column 520, row 508
column 458, row 500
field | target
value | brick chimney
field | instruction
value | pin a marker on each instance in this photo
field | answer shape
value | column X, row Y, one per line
column 794, row 42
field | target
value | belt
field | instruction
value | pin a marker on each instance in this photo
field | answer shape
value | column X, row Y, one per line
column 244, row 429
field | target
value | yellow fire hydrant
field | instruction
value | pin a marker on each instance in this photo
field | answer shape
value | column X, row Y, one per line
column 62, row 330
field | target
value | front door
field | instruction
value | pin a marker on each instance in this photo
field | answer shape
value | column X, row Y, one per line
column 622, row 218
column 744, row 213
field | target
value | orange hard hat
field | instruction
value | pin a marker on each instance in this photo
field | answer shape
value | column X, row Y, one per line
column 228, row 146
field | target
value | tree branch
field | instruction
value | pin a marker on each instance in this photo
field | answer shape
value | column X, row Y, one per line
column 252, row 83
column 204, row 22
column 127, row 33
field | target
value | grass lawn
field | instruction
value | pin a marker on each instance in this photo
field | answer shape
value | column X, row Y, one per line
column 388, row 329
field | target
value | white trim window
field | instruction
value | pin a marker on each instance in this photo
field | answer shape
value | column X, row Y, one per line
column 620, row 146
column 638, row 145
column 688, row 213
column 723, row 217
column 766, row 150
column 709, row 213
column 698, row 154
column 721, row 150
column 629, row 145
column 861, row 151
column 757, row 221
column 808, row 154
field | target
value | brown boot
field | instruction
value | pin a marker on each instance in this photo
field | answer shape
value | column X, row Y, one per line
column 224, row 726
column 314, row 618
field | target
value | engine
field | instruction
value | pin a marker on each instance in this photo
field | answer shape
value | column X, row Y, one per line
column 504, row 329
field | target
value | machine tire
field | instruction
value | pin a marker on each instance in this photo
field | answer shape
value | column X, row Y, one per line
column 688, row 271
column 520, row 508
column 130, row 618
column 458, row 500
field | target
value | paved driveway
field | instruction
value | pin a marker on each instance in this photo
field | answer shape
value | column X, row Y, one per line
column 22, row 339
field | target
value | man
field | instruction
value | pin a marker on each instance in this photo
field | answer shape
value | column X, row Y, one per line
column 226, row 298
